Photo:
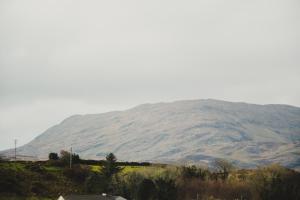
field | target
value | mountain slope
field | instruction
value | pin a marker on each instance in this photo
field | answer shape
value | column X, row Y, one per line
column 182, row 131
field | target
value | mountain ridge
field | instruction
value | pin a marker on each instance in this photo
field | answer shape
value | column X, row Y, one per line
column 182, row 131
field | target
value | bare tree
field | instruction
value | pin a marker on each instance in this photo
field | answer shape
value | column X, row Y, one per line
column 223, row 167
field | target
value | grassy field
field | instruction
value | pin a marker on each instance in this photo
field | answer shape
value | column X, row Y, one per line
column 125, row 169
column 95, row 168
column 12, row 165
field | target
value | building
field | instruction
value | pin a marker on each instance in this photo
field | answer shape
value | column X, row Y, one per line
column 90, row 197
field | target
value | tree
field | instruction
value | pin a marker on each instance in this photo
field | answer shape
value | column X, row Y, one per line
column 65, row 157
column 223, row 167
column 53, row 156
column 110, row 166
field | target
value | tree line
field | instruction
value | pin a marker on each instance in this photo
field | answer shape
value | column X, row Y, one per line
column 65, row 157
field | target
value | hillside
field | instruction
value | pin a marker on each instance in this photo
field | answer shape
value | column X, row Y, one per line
column 182, row 131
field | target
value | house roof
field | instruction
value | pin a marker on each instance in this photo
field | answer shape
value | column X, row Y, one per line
column 91, row 197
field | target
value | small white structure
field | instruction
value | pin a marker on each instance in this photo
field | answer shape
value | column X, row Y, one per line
column 60, row 198
column 120, row 198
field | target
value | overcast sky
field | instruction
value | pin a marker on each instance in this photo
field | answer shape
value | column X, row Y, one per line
column 65, row 57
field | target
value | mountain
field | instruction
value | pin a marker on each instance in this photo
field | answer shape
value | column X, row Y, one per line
column 182, row 131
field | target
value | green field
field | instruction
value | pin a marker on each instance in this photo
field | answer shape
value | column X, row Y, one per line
column 126, row 169
column 12, row 165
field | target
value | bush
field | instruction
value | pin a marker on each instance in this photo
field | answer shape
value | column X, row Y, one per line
column 214, row 190
column 96, row 183
column 194, row 172
column 166, row 189
column 78, row 173
column 15, row 182
column 35, row 167
column 146, row 190
column 129, row 185
column 275, row 182
column 40, row 188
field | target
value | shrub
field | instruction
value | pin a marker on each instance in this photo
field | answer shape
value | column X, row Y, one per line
column 275, row 182
column 220, row 189
column 40, row 188
column 96, row 183
column 166, row 189
column 78, row 173
column 146, row 190
column 130, row 185
column 15, row 182
column 194, row 172
column 35, row 167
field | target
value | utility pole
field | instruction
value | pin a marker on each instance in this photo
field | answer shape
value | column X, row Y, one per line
column 71, row 155
column 15, row 149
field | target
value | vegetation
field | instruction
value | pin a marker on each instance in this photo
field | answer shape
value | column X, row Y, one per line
column 110, row 166
column 53, row 156
column 223, row 168
column 65, row 157
column 49, row 179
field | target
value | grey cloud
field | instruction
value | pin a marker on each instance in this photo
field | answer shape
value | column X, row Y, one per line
column 115, row 54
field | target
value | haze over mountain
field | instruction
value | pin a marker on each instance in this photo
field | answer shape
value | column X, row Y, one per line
column 182, row 131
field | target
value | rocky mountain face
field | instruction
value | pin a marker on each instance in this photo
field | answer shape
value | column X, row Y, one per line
column 182, row 131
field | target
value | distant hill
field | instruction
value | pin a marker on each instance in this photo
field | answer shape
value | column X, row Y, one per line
column 195, row 131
